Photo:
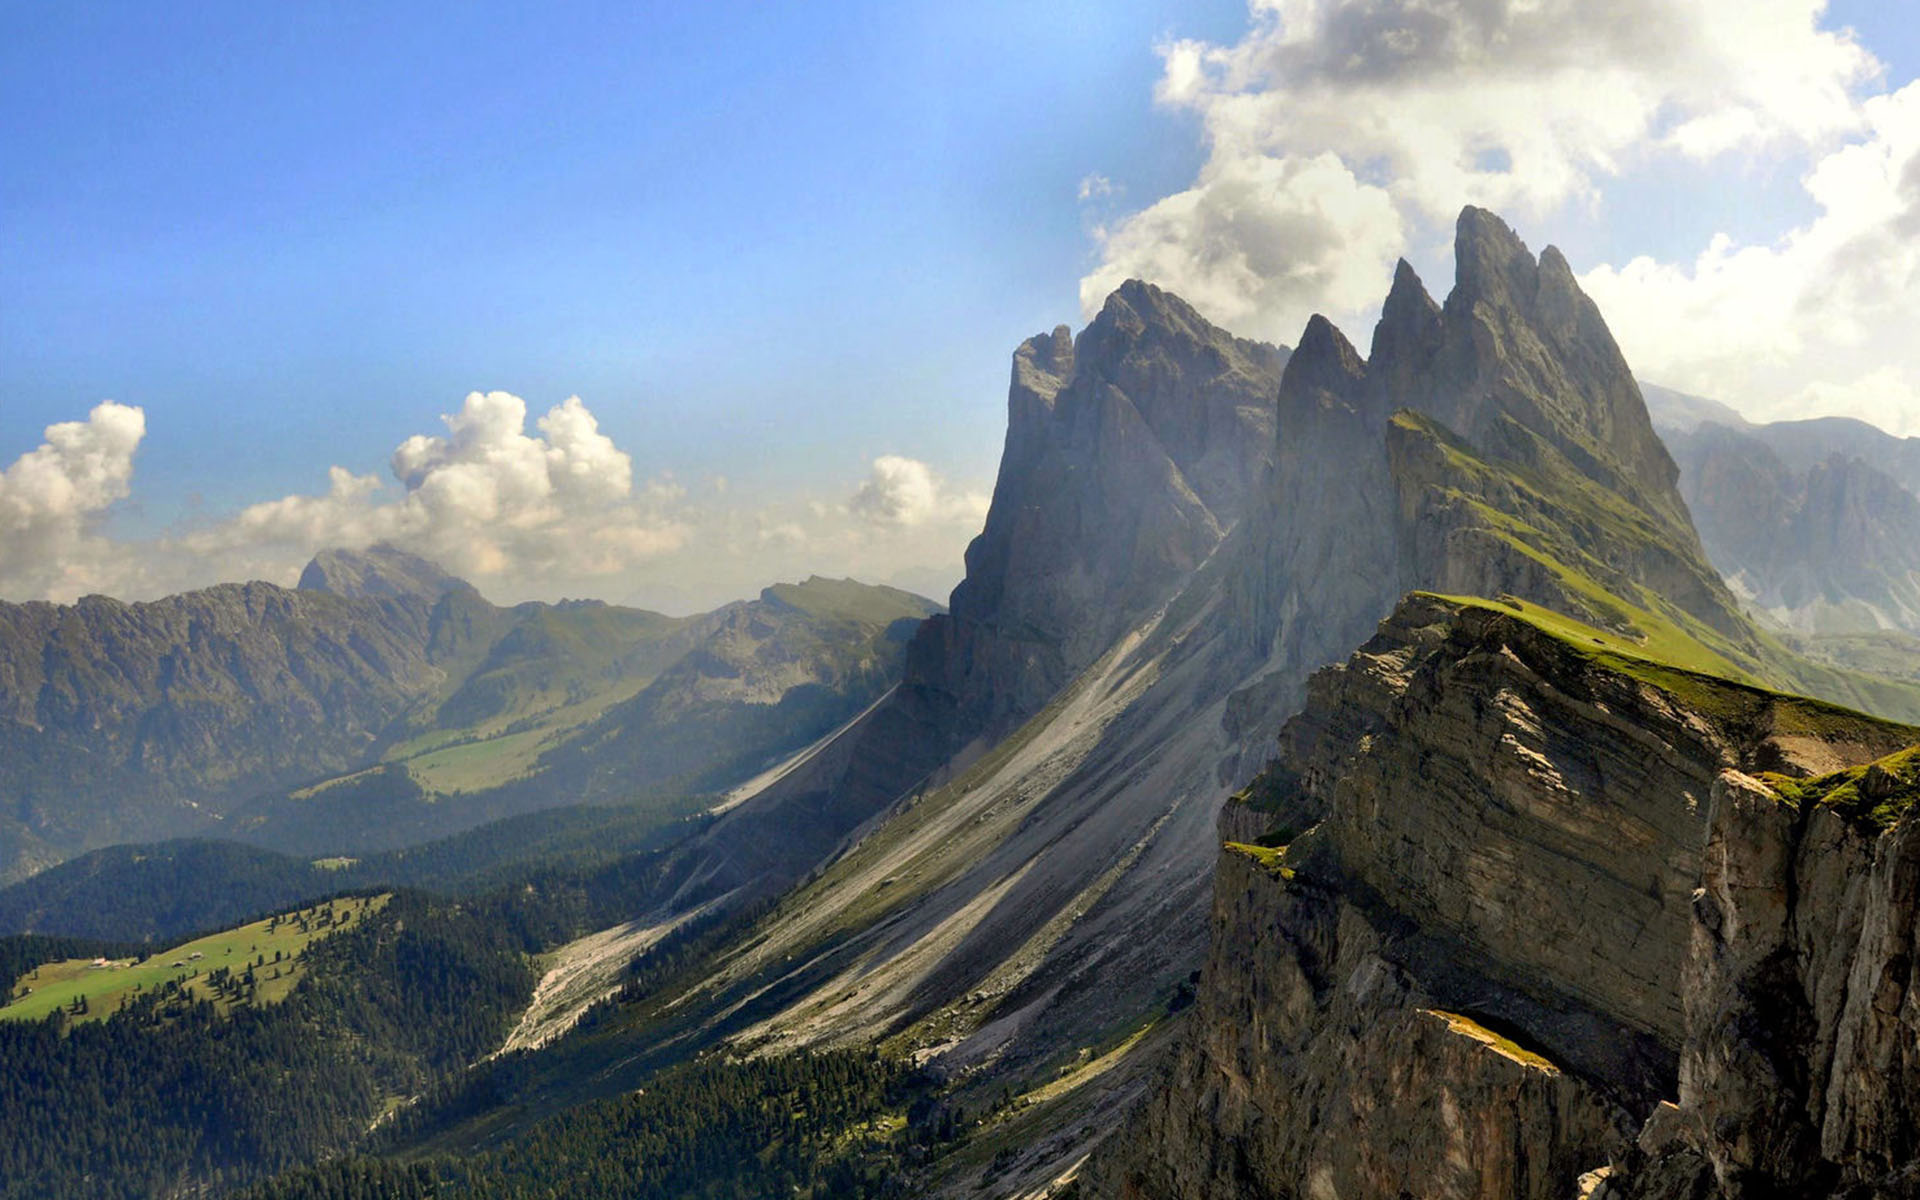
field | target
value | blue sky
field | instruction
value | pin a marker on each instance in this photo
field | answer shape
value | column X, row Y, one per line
column 769, row 241
column 776, row 244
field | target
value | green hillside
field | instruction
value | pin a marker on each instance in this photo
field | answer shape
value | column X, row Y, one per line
column 252, row 964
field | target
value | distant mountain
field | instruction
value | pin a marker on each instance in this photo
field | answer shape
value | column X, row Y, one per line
column 1816, row 523
column 341, row 714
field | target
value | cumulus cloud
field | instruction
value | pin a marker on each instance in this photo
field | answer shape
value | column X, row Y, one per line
column 906, row 492
column 53, row 497
column 486, row 499
column 1338, row 129
column 1816, row 321
column 525, row 508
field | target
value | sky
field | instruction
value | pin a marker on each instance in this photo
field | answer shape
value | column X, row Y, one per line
column 662, row 303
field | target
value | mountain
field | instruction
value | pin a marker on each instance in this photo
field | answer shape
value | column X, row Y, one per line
column 123, row 721
column 1457, row 948
column 1816, row 523
column 339, row 715
column 1005, row 865
column 1452, row 947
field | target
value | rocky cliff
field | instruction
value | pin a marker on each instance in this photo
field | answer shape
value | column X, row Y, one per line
column 1453, row 918
column 1798, row 1074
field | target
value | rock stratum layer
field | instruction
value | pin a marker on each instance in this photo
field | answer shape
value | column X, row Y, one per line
column 1458, row 952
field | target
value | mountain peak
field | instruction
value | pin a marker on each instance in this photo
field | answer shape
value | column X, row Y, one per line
column 381, row 570
column 1325, row 361
column 1490, row 260
column 1409, row 327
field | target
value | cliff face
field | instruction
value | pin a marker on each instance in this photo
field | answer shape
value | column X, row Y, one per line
column 1129, row 455
column 1454, row 967
column 1799, row 1074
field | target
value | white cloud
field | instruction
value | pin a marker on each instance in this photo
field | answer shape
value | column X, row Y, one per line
column 1819, row 320
column 486, row 500
column 906, row 492
column 53, row 497
column 523, row 512
column 1096, row 187
column 1339, row 129
column 1259, row 244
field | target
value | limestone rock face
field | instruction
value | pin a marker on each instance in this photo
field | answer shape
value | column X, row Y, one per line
column 1800, row 1075
column 1129, row 454
column 1407, row 1099
column 1461, row 976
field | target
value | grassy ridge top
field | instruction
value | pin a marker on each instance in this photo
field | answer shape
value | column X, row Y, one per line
column 1578, row 535
column 1875, row 796
column 1692, row 673
column 270, row 948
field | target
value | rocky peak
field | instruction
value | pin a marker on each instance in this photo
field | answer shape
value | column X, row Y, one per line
column 1529, row 370
column 1129, row 453
column 381, row 570
column 1325, row 363
column 1409, row 331
column 1491, row 264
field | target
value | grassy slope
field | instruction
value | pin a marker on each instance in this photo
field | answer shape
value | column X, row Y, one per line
column 59, row 984
column 1689, row 672
column 1874, row 796
column 1574, row 529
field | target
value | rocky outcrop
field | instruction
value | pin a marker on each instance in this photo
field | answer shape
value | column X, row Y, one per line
column 1449, row 966
column 1799, row 1075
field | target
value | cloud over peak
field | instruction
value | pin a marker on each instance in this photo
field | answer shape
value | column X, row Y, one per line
column 1338, row 129
column 486, row 498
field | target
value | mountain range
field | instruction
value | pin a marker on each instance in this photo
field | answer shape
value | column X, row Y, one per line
column 1816, row 522
column 1337, row 775
column 382, row 701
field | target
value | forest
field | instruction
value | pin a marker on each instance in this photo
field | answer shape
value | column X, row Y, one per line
column 839, row 1124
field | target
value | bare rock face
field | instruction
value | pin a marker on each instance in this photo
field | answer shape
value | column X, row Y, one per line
column 1455, row 966
column 1129, row 454
column 1800, row 1074
column 1493, row 445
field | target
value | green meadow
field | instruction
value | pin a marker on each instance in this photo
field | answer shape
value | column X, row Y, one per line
column 87, row 989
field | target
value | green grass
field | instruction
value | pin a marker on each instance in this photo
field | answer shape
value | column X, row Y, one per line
column 1687, row 676
column 1577, row 531
column 1875, row 796
column 56, row 986
column 1466, row 1026
column 1271, row 859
